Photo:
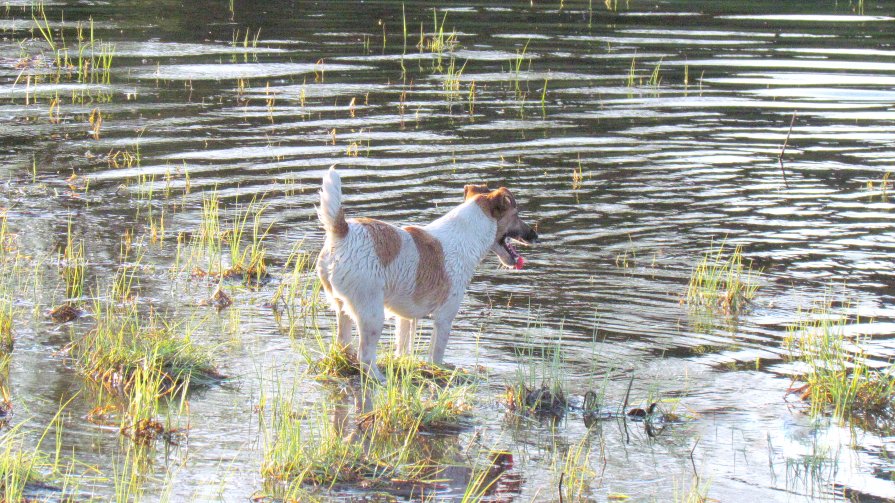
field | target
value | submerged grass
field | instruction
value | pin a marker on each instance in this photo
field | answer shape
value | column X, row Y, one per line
column 838, row 376
column 485, row 475
column 722, row 282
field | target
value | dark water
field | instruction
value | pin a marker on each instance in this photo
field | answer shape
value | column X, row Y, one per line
column 668, row 166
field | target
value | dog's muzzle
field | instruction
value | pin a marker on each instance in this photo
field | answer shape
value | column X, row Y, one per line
column 530, row 237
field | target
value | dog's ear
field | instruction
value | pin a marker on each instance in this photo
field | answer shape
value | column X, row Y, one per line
column 473, row 190
column 501, row 201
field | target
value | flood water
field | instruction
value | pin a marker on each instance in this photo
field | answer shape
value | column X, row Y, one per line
column 673, row 113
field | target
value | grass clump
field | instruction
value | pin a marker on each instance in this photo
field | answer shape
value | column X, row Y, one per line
column 722, row 282
column 418, row 395
column 18, row 467
column 147, row 363
column 73, row 267
column 148, row 389
column 28, row 473
column 538, row 386
column 298, row 295
column 337, row 361
column 438, row 42
column 89, row 62
column 573, row 472
column 323, row 452
column 247, row 258
column 314, row 454
column 838, row 375
column 6, row 326
column 124, row 344
column 694, row 492
column 243, row 241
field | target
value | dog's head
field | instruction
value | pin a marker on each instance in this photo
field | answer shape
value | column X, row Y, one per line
column 500, row 205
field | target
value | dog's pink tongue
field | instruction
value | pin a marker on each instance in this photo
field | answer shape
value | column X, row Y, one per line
column 520, row 262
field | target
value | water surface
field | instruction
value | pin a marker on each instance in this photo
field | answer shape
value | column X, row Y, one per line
column 670, row 165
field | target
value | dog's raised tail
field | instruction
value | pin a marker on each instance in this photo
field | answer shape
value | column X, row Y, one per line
column 330, row 210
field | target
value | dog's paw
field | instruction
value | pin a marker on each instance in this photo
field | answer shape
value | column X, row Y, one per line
column 373, row 372
column 447, row 366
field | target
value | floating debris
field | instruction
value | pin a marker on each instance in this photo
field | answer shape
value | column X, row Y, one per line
column 637, row 412
column 102, row 415
column 252, row 278
column 144, row 430
column 219, row 300
column 5, row 408
column 65, row 313
column 804, row 391
column 542, row 401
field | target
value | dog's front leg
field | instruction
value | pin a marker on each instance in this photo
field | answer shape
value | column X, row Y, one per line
column 443, row 319
column 405, row 329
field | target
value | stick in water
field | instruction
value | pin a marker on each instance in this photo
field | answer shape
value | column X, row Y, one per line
column 783, row 149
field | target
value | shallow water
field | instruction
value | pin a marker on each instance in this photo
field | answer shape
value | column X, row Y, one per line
column 667, row 170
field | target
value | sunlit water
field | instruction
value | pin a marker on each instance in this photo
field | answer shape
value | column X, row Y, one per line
column 674, row 113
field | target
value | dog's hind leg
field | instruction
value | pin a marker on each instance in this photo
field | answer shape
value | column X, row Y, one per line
column 343, row 324
column 343, row 321
column 405, row 329
column 370, row 320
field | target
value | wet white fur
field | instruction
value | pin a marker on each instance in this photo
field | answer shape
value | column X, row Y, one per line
column 363, row 290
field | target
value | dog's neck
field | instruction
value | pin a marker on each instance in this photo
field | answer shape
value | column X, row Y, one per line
column 469, row 232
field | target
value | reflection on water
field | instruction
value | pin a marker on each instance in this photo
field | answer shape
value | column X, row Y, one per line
column 672, row 116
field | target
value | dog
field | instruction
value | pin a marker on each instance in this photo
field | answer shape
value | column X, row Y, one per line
column 368, row 267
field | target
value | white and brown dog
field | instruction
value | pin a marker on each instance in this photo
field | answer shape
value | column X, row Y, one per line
column 369, row 266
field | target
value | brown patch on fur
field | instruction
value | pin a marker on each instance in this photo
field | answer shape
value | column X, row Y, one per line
column 474, row 190
column 496, row 202
column 432, row 283
column 386, row 240
column 341, row 228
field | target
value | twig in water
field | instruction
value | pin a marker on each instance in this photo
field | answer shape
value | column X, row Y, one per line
column 624, row 413
column 783, row 149
column 561, row 476
column 693, row 462
column 603, row 455
column 627, row 394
